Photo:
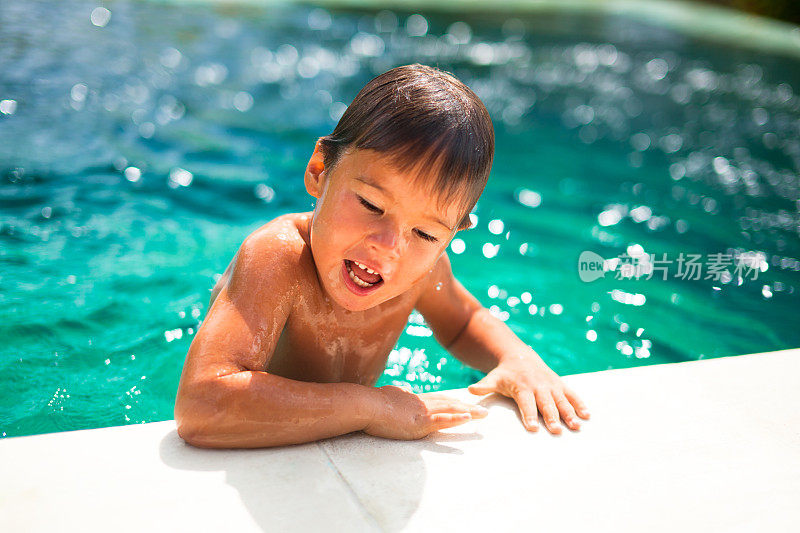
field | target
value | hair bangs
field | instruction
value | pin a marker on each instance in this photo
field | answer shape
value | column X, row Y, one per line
column 429, row 125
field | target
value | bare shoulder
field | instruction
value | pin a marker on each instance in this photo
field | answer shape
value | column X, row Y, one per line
column 271, row 252
column 277, row 250
column 282, row 236
column 254, row 301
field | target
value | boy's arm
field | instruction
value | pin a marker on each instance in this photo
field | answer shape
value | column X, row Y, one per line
column 221, row 281
column 479, row 339
column 224, row 401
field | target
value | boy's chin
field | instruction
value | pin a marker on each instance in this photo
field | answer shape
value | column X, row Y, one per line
column 355, row 307
column 355, row 303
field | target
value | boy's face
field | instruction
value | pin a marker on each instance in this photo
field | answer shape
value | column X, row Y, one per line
column 369, row 215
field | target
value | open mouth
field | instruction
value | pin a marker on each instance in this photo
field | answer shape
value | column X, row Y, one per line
column 359, row 278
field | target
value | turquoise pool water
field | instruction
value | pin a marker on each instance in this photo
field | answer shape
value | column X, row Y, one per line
column 138, row 147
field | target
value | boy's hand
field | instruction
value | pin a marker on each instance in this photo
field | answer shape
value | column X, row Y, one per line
column 401, row 414
column 530, row 382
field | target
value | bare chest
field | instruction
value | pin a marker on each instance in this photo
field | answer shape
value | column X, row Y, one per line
column 326, row 347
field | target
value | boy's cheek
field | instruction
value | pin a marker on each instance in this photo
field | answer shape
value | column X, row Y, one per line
column 417, row 266
column 346, row 213
column 337, row 224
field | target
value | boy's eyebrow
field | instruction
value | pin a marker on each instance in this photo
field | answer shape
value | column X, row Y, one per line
column 367, row 181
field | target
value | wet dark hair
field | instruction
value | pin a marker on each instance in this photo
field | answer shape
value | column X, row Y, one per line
column 424, row 120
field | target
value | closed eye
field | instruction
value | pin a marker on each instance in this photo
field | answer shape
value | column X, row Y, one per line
column 378, row 210
column 369, row 206
column 427, row 237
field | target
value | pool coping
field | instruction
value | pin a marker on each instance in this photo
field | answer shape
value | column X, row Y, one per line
column 709, row 445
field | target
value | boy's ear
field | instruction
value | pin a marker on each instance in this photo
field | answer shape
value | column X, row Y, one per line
column 315, row 172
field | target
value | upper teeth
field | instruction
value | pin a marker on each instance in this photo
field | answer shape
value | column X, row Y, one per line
column 365, row 267
column 358, row 281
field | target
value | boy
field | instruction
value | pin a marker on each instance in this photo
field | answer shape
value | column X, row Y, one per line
column 301, row 324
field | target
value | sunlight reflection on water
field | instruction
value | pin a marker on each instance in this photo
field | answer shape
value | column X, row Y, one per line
column 140, row 143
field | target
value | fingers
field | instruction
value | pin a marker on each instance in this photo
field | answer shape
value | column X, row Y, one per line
column 527, row 405
column 455, row 414
column 580, row 407
column 448, row 420
column 484, row 386
column 549, row 411
column 476, row 411
column 566, row 410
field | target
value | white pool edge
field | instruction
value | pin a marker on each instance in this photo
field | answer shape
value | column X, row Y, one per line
column 710, row 445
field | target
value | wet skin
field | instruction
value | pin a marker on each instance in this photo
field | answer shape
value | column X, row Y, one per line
column 365, row 212
column 322, row 341
column 286, row 306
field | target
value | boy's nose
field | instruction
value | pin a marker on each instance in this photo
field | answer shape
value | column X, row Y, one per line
column 386, row 240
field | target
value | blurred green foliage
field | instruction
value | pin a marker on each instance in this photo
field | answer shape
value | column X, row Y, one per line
column 788, row 10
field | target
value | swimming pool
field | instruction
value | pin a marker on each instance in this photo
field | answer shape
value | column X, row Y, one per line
column 139, row 146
